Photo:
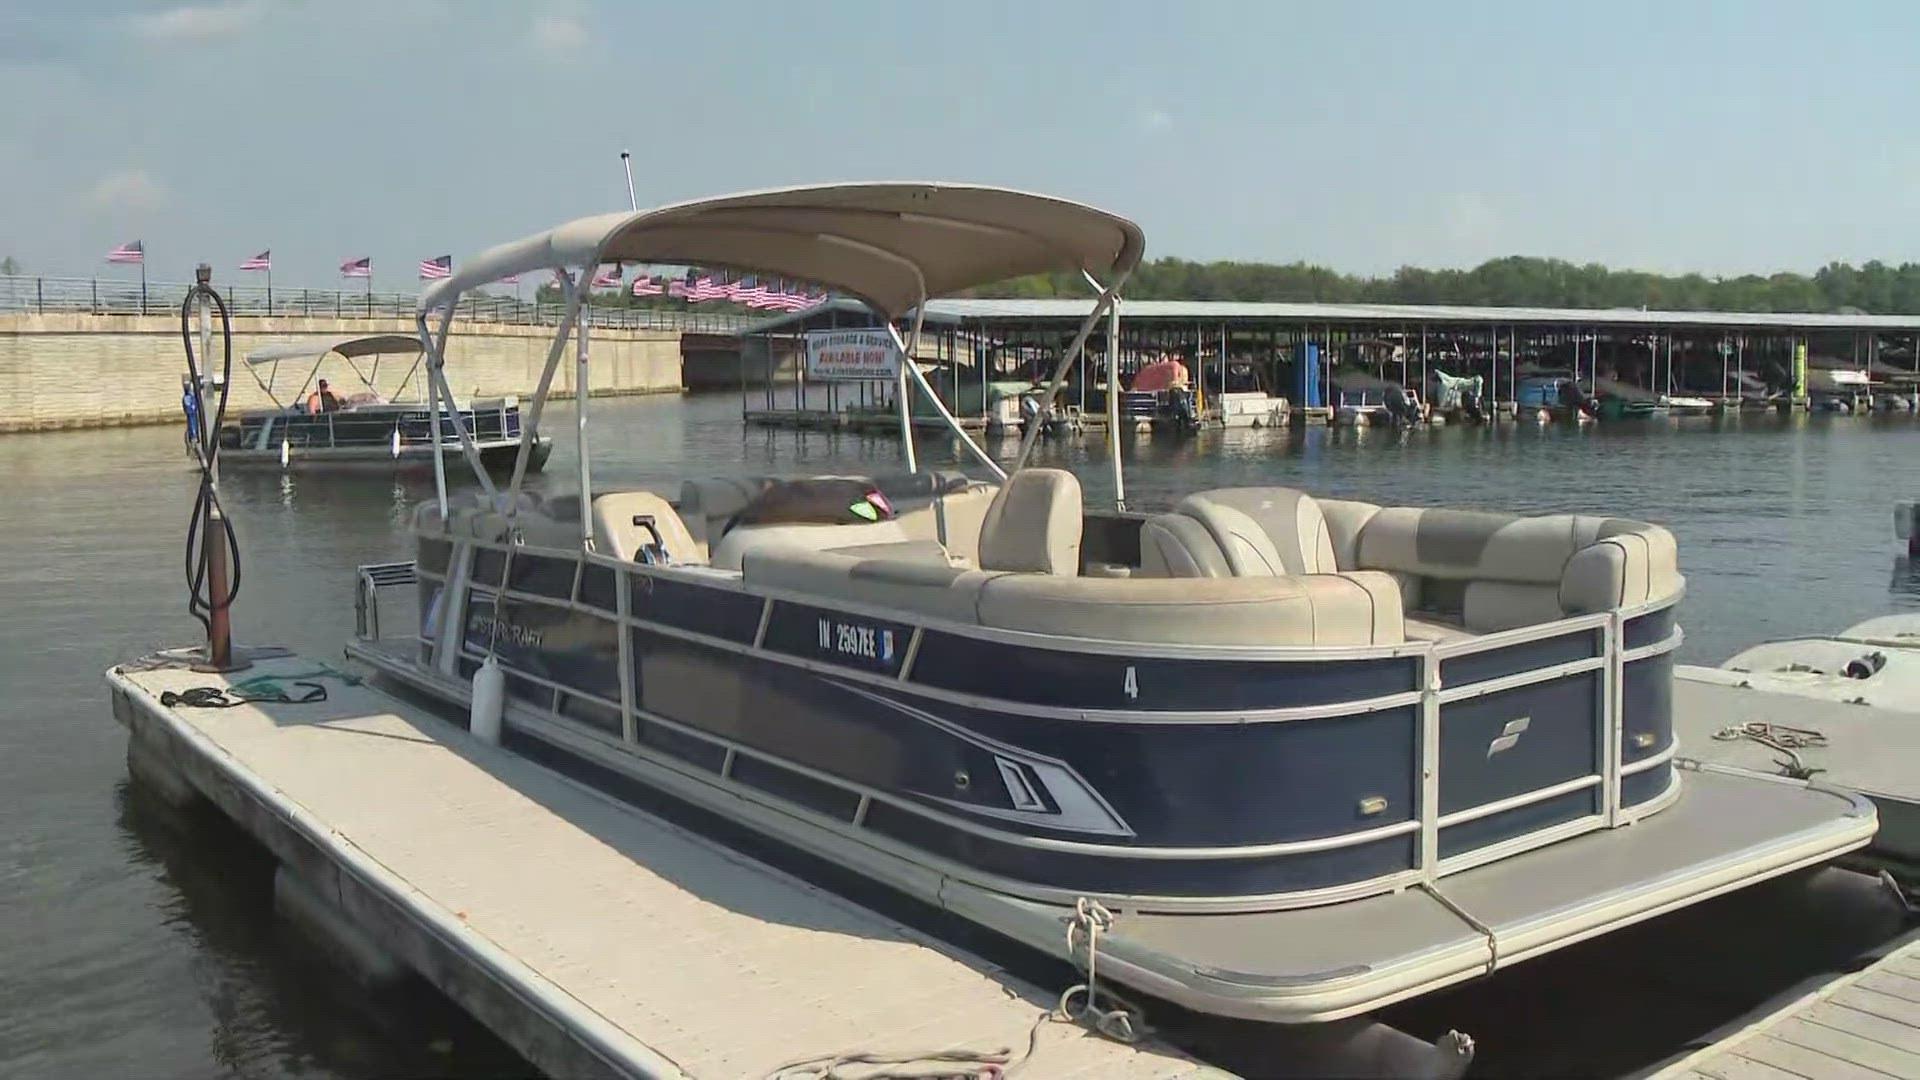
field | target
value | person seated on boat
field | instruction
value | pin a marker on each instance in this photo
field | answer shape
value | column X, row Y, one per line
column 322, row 400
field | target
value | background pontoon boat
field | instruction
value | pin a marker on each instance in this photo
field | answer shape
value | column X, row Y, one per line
column 1312, row 756
column 365, row 431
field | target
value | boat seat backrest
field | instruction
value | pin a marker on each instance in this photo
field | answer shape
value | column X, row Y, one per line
column 620, row 521
column 1033, row 524
column 906, row 585
column 1317, row 609
column 1175, row 545
column 1257, row 525
column 1498, row 571
column 1242, row 543
column 474, row 516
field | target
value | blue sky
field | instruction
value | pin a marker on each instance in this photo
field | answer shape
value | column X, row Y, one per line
column 1713, row 136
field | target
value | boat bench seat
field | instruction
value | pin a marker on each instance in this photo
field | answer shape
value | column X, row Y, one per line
column 1465, row 571
column 1315, row 609
column 1490, row 571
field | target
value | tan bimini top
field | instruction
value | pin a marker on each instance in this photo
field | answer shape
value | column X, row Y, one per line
column 889, row 244
column 350, row 347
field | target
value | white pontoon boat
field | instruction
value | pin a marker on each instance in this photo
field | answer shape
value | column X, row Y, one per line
column 363, row 430
column 1313, row 755
column 1875, row 662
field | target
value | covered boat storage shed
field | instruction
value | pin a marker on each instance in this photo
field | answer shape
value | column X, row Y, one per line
column 1296, row 350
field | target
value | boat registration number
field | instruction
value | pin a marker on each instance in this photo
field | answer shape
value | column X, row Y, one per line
column 852, row 639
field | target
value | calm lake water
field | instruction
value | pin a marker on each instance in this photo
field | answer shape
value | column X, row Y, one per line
column 133, row 948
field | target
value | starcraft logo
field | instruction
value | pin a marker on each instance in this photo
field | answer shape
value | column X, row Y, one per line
column 1508, row 736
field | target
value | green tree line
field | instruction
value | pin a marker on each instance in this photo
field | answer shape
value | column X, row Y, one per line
column 1516, row 280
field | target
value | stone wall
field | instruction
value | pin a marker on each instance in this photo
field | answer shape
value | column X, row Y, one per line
column 78, row 370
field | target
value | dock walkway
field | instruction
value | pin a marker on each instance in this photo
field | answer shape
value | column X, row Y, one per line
column 595, row 939
column 1862, row 1026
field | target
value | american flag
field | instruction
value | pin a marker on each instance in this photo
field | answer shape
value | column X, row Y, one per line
column 357, row 267
column 703, row 289
column 794, row 301
column 435, row 269
column 134, row 252
column 607, row 279
column 753, row 293
column 262, row 261
column 679, row 291
column 645, row 285
column 510, row 279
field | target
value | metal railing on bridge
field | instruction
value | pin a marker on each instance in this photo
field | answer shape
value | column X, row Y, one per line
column 107, row 296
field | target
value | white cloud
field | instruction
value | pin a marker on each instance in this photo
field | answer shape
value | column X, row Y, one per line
column 1154, row 121
column 559, row 33
column 199, row 22
column 128, row 189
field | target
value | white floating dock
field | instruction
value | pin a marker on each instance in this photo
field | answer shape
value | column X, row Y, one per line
column 1863, row 1026
column 1873, row 751
column 595, row 939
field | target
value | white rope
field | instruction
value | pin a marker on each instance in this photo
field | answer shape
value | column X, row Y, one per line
column 1465, row 916
column 1122, row 1022
column 1782, row 737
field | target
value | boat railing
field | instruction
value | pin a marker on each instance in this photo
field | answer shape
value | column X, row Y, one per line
column 366, row 595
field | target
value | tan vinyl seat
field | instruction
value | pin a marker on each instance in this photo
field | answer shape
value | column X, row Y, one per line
column 1265, row 530
column 1034, row 524
column 1491, row 571
column 620, row 526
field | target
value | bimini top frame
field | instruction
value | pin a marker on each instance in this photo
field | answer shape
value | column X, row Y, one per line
column 349, row 348
column 892, row 245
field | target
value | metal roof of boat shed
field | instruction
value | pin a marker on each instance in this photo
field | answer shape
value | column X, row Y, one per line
column 1384, row 316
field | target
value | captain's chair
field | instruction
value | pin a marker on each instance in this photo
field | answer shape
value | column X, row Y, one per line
column 1239, row 532
column 1034, row 524
column 630, row 524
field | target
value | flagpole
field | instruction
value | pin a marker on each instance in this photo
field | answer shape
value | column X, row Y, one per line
column 143, row 278
column 626, row 160
column 269, row 284
column 436, row 434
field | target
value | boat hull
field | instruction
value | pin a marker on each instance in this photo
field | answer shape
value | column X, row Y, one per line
column 1298, row 965
column 1257, row 815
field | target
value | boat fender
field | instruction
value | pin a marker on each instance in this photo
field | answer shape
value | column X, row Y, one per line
column 394, row 443
column 489, row 697
column 285, row 453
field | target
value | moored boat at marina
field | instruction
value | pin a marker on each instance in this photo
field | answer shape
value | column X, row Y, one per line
column 362, row 430
column 1295, row 758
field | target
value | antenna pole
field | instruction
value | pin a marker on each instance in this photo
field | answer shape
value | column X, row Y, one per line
column 626, row 161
